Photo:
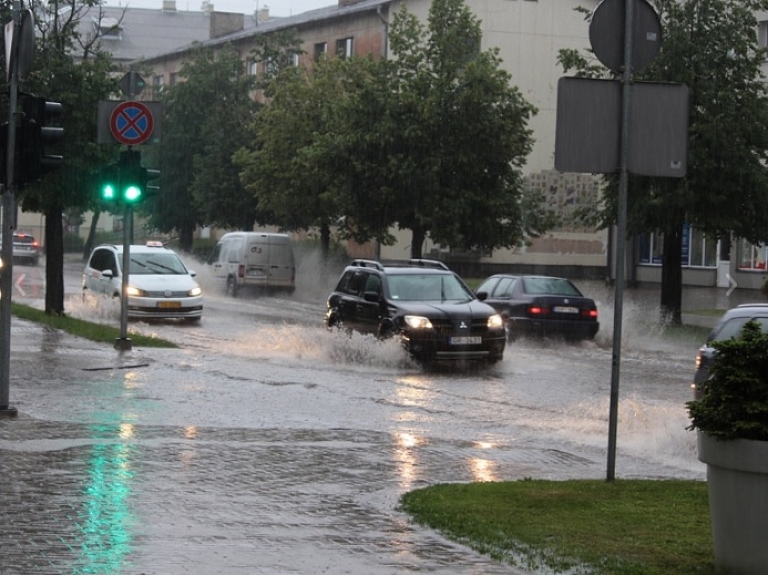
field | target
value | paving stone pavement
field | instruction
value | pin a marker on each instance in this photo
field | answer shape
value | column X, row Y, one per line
column 103, row 496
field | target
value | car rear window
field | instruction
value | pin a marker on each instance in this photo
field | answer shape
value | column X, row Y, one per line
column 549, row 286
column 732, row 328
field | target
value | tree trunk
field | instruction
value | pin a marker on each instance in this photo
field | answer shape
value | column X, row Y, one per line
column 417, row 241
column 325, row 241
column 186, row 238
column 88, row 245
column 54, row 261
column 672, row 273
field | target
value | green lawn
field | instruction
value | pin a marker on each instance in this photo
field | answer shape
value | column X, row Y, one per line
column 627, row 527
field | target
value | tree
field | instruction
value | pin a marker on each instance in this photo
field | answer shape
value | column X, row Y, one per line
column 432, row 141
column 282, row 167
column 441, row 150
column 73, row 71
column 712, row 47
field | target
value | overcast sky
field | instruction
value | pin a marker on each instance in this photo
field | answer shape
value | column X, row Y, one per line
column 276, row 7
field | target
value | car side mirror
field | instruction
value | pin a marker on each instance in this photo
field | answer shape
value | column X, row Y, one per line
column 482, row 295
column 372, row 296
column 192, row 273
column 107, row 274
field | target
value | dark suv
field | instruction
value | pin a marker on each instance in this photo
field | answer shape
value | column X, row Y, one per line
column 729, row 326
column 430, row 308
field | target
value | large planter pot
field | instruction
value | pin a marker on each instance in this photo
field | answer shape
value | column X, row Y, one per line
column 737, row 481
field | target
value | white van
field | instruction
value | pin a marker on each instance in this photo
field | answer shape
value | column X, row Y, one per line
column 257, row 260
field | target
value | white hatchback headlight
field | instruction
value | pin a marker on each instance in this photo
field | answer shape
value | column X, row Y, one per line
column 195, row 291
column 418, row 322
column 135, row 292
column 495, row 321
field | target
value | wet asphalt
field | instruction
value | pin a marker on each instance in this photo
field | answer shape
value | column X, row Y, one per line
column 91, row 483
column 88, row 484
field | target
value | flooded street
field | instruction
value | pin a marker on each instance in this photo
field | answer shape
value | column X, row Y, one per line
column 284, row 368
column 266, row 444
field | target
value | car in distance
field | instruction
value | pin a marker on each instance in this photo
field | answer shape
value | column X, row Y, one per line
column 25, row 248
column 159, row 284
column 540, row 305
column 729, row 326
column 432, row 311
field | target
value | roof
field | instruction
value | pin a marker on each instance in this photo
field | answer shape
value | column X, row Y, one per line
column 274, row 24
column 145, row 32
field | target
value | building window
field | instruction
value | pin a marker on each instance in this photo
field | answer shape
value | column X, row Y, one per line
column 344, row 48
column 762, row 34
column 295, row 59
column 703, row 250
column 320, row 49
column 108, row 28
column 253, row 68
column 157, row 83
column 697, row 249
column 172, row 79
column 752, row 256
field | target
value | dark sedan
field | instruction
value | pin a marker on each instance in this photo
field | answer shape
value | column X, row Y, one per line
column 540, row 305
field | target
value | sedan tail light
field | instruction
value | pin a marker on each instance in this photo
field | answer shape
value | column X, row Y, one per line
column 589, row 313
column 538, row 310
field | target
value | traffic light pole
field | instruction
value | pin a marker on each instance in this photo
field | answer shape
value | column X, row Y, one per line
column 8, row 223
column 124, row 342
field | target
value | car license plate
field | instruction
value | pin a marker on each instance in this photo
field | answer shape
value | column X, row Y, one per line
column 168, row 304
column 467, row 340
column 565, row 309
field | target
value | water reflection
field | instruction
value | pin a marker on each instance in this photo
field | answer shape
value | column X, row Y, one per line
column 106, row 519
column 406, row 458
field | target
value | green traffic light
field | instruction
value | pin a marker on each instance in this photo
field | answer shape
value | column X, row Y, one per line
column 132, row 194
column 108, row 192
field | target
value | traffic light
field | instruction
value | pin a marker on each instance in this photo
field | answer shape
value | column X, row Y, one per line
column 150, row 175
column 132, row 178
column 35, row 135
column 109, row 183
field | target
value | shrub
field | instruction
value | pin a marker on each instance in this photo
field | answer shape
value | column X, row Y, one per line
column 734, row 400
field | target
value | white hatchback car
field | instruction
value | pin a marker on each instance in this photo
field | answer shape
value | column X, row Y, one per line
column 159, row 284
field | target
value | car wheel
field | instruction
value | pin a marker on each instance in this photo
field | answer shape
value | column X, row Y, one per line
column 231, row 287
column 386, row 329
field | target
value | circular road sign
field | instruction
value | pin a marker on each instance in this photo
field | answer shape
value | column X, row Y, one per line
column 131, row 123
column 606, row 34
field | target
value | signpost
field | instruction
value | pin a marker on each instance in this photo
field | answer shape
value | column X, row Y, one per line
column 651, row 135
column 131, row 123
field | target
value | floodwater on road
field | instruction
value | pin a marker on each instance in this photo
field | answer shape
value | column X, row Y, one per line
column 270, row 362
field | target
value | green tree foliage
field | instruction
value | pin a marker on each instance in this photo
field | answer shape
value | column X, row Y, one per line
column 204, row 123
column 70, row 70
column 283, row 167
column 432, row 141
column 711, row 46
column 734, row 401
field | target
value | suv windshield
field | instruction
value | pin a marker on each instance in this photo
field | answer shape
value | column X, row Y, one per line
column 427, row 287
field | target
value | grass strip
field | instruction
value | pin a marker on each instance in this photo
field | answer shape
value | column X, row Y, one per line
column 85, row 329
column 626, row 527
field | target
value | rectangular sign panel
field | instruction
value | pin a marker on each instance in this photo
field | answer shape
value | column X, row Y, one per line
column 588, row 130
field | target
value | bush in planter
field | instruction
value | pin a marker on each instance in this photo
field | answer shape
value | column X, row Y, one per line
column 734, row 403
column 732, row 420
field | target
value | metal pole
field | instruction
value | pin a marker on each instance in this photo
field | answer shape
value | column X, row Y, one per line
column 621, row 238
column 8, row 223
column 124, row 343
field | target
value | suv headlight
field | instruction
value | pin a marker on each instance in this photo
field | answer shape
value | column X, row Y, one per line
column 495, row 321
column 418, row 322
